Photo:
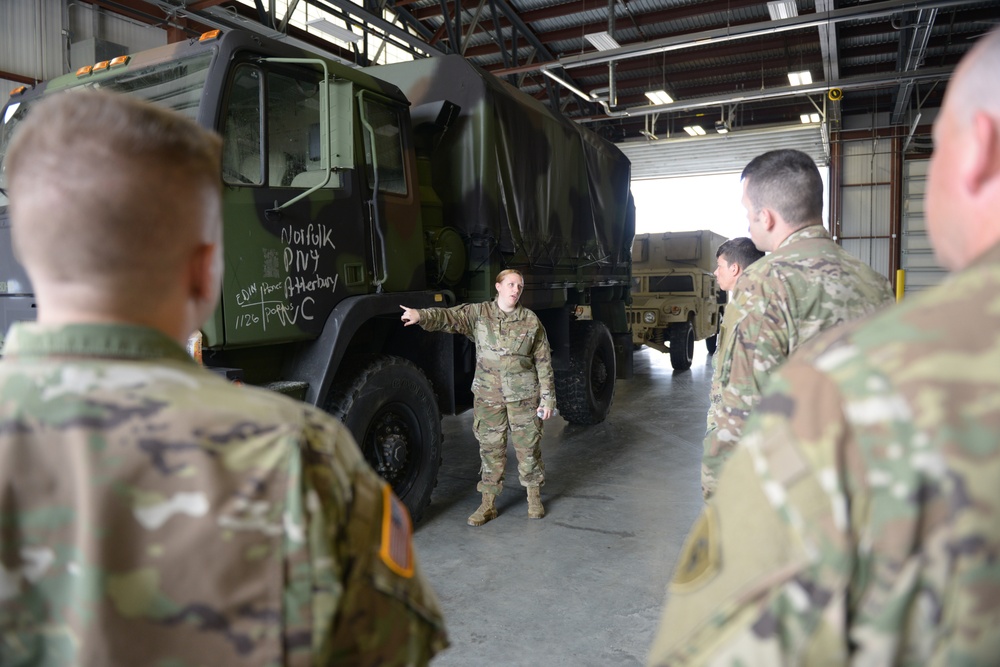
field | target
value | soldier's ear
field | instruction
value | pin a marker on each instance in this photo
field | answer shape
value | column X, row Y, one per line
column 205, row 273
column 768, row 219
column 983, row 166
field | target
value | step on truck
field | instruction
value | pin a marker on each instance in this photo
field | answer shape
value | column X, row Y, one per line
column 676, row 298
column 348, row 192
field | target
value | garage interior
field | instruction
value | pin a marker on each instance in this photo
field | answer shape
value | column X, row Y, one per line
column 683, row 88
column 730, row 68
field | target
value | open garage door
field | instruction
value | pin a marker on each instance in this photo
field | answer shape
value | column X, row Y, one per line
column 720, row 153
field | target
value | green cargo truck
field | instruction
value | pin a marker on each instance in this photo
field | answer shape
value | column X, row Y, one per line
column 676, row 298
column 345, row 197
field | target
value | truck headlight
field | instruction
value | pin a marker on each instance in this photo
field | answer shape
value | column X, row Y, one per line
column 649, row 317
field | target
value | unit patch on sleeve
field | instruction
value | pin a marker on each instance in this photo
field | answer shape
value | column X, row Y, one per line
column 700, row 559
column 397, row 535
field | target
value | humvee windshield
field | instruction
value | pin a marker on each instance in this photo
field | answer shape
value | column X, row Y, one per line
column 176, row 84
column 671, row 283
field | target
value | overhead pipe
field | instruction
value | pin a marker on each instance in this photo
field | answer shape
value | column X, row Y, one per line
column 854, row 83
column 612, row 89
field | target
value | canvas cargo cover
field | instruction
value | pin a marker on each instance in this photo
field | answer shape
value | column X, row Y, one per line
column 655, row 251
column 510, row 172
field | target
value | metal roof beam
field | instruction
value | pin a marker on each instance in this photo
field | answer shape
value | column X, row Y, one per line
column 731, row 33
column 919, row 36
column 828, row 43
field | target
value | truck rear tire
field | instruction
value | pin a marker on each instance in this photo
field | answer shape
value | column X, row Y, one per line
column 389, row 406
column 585, row 391
column 681, row 346
column 712, row 343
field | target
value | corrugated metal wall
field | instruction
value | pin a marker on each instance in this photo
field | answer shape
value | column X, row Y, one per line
column 36, row 35
column 916, row 254
column 717, row 153
column 865, row 196
column 31, row 38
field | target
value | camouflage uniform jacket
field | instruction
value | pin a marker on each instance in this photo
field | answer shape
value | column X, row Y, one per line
column 859, row 520
column 154, row 514
column 513, row 359
column 715, row 393
column 808, row 284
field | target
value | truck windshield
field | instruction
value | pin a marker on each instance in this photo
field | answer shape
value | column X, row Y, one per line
column 176, row 84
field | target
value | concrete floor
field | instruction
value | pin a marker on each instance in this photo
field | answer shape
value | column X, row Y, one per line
column 585, row 585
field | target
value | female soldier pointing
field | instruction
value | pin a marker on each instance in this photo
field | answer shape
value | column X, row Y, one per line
column 513, row 388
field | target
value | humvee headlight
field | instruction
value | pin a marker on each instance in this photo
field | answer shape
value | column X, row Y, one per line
column 649, row 317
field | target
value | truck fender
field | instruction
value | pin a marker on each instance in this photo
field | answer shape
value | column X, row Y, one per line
column 317, row 362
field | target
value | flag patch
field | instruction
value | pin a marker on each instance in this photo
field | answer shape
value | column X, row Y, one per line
column 397, row 532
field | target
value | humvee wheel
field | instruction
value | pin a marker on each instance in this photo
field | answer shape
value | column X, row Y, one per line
column 389, row 406
column 584, row 392
column 712, row 343
column 681, row 346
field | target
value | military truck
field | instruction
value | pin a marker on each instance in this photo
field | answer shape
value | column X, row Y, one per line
column 676, row 298
column 344, row 198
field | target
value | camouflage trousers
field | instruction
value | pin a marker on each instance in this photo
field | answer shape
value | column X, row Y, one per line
column 491, row 422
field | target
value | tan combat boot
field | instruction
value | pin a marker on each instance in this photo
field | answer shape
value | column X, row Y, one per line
column 487, row 511
column 535, row 509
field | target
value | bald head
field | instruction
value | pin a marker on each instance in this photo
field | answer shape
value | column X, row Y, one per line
column 963, row 192
column 109, row 198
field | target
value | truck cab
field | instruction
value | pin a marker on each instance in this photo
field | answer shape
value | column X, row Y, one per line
column 347, row 193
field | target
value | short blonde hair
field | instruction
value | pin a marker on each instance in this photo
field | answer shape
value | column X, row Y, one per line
column 111, row 190
column 506, row 272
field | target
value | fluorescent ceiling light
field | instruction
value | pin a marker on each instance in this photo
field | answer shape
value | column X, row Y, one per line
column 602, row 41
column 694, row 130
column 782, row 9
column 659, row 96
column 803, row 78
column 807, row 118
column 722, row 127
column 334, row 30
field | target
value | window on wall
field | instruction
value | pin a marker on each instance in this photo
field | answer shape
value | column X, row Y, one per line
column 383, row 147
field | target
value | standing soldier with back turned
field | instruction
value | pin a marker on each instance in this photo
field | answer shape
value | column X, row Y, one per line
column 858, row 523
column 807, row 284
column 513, row 388
column 153, row 513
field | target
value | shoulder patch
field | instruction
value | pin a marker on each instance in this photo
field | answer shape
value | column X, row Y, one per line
column 699, row 560
column 397, row 535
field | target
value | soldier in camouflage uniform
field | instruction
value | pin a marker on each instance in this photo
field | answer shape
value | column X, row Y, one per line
column 858, row 521
column 807, row 284
column 153, row 513
column 731, row 260
column 513, row 387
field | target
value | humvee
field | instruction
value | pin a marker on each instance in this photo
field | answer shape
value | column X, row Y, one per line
column 676, row 298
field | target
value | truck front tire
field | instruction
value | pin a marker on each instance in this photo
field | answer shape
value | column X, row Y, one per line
column 389, row 406
column 681, row 346
column 585, row 391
